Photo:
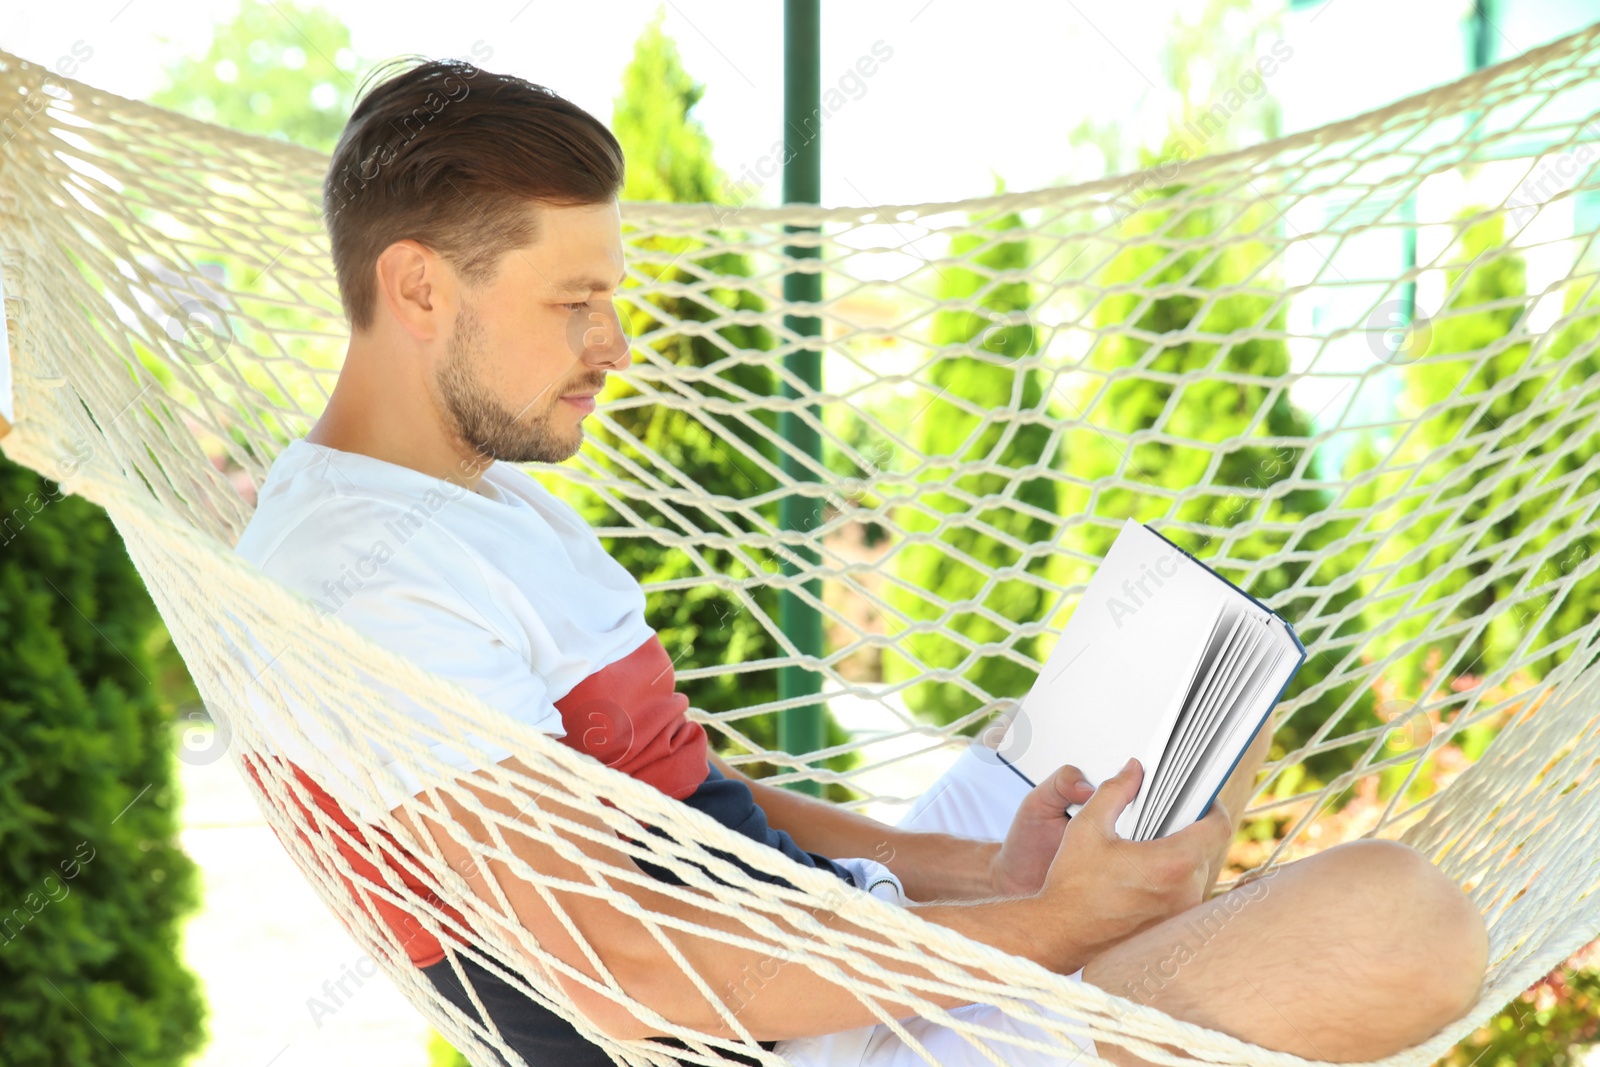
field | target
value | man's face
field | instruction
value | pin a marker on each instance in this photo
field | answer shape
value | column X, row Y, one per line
column 531, row 349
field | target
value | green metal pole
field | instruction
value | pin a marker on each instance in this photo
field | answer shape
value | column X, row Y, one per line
column 1480, row 30
column 801, row 729
column 1480, row 47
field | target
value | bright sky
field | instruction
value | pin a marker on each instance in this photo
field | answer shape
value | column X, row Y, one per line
column 961, row 98
column 969, row 91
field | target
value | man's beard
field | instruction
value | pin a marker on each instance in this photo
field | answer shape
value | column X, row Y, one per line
column 482, row 422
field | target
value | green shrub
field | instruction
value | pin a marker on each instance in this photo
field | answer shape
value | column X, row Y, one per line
column 93, row 885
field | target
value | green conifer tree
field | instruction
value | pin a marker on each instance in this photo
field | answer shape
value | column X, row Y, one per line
column 985, row 408
column 94, row 887
column 1453, row 510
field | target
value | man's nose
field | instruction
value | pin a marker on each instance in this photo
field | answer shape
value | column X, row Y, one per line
column 605, row 342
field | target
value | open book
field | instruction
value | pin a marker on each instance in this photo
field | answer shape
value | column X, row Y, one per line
column 1163, row 659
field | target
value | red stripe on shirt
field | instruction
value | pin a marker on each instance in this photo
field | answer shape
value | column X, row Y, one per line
column 420, row 945
column 628, row 715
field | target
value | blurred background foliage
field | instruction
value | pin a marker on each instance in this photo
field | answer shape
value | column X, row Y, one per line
column 1016, row 513
column 93, row 887
column 279, row 69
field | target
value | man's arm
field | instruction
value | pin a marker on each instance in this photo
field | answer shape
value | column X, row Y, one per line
column 930, row 866
column 799, row 1002
column 1090, row 901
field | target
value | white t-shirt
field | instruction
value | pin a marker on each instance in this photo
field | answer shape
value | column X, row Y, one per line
column 475, row 586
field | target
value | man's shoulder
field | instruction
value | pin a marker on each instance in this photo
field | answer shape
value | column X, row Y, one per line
column 311, row 525
column 336, row 524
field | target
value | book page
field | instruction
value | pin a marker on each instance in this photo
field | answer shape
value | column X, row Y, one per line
column 1250, row 643
column 1222, row 754
column 1254, row 648
column 1224, row 635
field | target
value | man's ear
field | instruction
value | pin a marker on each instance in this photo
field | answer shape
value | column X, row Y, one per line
column 413, row 284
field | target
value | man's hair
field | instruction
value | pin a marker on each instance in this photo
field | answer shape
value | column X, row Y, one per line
column 450, row 155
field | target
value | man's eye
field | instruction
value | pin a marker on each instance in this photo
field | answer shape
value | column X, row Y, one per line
column 575, row 307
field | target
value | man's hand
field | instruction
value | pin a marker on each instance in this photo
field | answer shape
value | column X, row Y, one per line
column 1101, row 889
column 1031, row 844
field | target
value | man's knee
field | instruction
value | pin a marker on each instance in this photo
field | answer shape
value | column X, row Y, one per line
column 1426, row 931
column 1362, row 949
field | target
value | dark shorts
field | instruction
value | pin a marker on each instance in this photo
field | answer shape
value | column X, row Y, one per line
column 536, row 1033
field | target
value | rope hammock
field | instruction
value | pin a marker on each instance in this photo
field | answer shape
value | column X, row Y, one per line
column 1354, row 369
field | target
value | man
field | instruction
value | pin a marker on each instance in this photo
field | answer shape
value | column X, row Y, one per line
column 477, row 243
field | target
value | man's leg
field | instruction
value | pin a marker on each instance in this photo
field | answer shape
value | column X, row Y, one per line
column 1351, row 954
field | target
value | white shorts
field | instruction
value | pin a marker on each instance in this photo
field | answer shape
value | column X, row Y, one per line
column 976, row 797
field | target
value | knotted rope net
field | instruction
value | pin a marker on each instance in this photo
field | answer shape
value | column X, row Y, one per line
column 1353, row 369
